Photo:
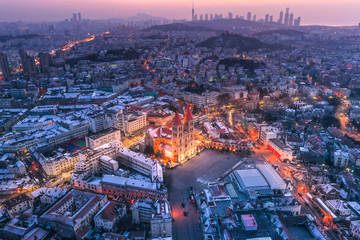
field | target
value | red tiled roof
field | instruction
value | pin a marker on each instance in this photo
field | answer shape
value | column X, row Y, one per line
column 109, row 212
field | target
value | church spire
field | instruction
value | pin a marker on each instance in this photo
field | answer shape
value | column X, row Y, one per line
column 177, row 119
column 188, row 114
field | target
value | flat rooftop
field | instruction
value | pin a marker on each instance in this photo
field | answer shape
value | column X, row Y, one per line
column 251, row 178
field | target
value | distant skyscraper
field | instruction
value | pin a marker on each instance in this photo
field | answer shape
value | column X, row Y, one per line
column 230, row 16
column 248, row 16
column 45, row 59
column 74, row 17
column 267, row 18
column 79, row 17
column 4, row 66
column 297, row 22
column 206, row 17
column 211, row 16
column 196, row 17
column 280, row 21
column 286, row 21
column 271, row 18
column 254, row 18
column 201, row 17
column 291, row 19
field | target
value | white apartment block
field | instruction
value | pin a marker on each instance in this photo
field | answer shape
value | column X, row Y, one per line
column 89, row 160
column 267, row 133
column 204, row 100
column 142, row 211
column 134, row 122
column 55, row 165
column 106, row 136
column 341, row 159
column 108, row 165
column 141, row 163
column 281, row 148
column 161, row 221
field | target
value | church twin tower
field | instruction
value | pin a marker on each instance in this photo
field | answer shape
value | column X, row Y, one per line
column 183, row 136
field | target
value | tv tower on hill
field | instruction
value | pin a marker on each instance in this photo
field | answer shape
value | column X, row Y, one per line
column 193, row 12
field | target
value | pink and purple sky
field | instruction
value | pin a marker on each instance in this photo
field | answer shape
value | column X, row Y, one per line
column 324, row 12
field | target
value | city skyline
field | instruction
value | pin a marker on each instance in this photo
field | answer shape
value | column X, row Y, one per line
column 312, row 13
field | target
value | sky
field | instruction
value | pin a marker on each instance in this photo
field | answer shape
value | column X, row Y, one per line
column 325, row 12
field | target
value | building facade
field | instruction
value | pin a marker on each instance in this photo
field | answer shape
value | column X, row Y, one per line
column 176, row 140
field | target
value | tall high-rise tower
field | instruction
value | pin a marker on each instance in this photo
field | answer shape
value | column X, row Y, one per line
column 280, row 21
column 74, row 18
column 4, row 66
column 248, row 16
column 286, row 20
column 79, row 17
column 45, row 59
column 28, row 64
column 291, row 19
column 297, row 22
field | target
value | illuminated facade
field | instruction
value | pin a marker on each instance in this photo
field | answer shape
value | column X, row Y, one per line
column 175, row 141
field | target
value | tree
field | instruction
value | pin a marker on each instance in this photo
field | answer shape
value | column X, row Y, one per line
column 159, row 154
column 148, row 149
column 223, row 99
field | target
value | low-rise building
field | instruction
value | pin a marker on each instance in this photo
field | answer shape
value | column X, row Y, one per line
column 108, row 217
column 72, row 212
column 108, row 165
column 161, row 221
column 134, row 122
column 103, row 137
column 160, row 117
column 89, row 160
column 341, row 159
column 355, row 229
column 17, row 228
column 141, row 163
column 18, row 204
column 142, row 211
column 115, row 186
column 338, row 207
column 59, row 162
column 267, row 133
column 281, row 149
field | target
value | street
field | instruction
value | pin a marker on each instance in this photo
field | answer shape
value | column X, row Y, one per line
column 197, row 172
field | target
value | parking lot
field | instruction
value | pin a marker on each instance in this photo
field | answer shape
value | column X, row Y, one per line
column 197, row 172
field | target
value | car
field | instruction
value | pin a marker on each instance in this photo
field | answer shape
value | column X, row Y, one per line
column 186, row 213
column 192, row 199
